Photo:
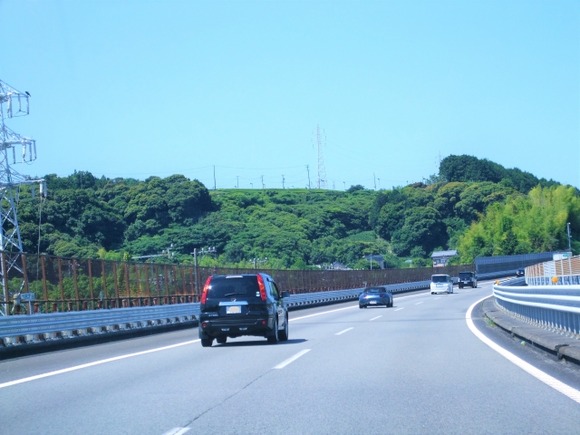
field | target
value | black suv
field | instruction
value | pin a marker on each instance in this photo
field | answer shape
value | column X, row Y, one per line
column 236, row 305
column 467, row 278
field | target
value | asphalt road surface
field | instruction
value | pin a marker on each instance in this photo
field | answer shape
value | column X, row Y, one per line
column 416, row 368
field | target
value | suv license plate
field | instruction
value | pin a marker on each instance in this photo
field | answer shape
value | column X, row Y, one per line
column 233, row 309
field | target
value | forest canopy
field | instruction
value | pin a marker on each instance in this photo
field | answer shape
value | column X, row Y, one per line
column 472, row 205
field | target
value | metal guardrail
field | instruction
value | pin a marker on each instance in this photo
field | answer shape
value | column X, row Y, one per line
column 552, row 307
column 24, row 330
column 36, row 328
column 305, row 300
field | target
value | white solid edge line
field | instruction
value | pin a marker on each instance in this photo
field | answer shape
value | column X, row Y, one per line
column 559, row 386
column 91, row 364
column 292, row 359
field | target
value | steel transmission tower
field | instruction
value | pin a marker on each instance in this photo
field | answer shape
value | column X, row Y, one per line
column 13, row 149
column 321, row 168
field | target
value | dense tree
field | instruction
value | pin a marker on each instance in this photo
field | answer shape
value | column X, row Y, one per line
column 473, row 205
column 476, row 197
column 391, row 214
column 469, row 168
column 423, row 229
column 533, row 223
column 448, row 196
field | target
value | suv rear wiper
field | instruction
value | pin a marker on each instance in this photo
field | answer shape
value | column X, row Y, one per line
column 234, row 294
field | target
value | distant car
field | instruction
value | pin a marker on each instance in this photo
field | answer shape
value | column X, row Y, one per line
column 441, row 283
column 521, row 272
column 374, row 296
column 236, row 305
column 467, row 279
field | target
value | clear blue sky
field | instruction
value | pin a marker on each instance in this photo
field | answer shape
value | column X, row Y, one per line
column 135, row 88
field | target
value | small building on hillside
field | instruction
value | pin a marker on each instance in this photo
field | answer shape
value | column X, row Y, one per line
column 441, row 258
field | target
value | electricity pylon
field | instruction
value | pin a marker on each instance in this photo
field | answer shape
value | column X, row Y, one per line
column 13, row 149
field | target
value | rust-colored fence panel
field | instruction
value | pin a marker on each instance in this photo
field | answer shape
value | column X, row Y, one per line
column 45, row 283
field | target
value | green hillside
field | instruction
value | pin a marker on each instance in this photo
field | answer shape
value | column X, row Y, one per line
column 472, row 205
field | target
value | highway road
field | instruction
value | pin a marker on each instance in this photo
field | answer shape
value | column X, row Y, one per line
column 416, row 368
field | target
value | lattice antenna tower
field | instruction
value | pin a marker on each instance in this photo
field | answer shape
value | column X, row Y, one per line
column 320, row 143
column 13, row 149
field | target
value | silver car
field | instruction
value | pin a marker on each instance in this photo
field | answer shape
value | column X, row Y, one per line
column 441, row 283
column 375, row 296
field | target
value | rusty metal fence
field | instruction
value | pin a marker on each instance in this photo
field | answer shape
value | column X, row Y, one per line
column 47, row 284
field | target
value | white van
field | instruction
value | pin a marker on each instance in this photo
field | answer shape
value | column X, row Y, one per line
column 441, row 283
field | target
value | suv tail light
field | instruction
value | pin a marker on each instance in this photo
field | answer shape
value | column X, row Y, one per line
column 205, row 290
column 262, row 287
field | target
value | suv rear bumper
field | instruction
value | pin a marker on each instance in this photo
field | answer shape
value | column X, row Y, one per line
column 220, row 328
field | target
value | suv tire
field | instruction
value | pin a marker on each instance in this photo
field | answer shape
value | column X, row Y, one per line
column 206, row 342
column 273, row 338
column 284, row 334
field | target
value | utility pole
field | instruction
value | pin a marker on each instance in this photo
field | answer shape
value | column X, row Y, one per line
column 569, row 237
column 195, row 253
column 321, row 168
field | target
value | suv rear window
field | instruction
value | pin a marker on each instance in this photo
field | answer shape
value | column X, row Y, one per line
column 235, row 285
column 440, row 278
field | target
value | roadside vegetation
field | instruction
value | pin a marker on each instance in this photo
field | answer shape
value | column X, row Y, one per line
column 472, row 205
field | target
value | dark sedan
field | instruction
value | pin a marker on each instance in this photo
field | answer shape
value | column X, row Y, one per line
column 373, row 296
